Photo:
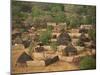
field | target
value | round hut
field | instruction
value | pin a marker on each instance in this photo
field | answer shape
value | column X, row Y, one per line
column 64, row 38
column 16, row 33
column 70, row 50
column 17, row 40
column 93, row 45
column 83, row 38
column 23, row 58
column 80, row 43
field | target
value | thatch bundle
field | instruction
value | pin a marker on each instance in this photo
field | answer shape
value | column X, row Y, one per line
column 15, row 33
column 93, row 45
column 80, row 43
column 51, row 60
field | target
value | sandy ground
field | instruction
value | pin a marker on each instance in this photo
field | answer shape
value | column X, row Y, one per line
column 58, row 66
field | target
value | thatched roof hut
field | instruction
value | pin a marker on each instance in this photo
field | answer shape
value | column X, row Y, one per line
column 64, row 38
column 70, row 50
column 15, row 33
column 17, row 40
column 23, row 58
column 93, row 45
column 80, row 43
column 84, row 38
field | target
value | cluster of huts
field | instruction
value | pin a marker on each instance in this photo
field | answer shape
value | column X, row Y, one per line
column 69, row 42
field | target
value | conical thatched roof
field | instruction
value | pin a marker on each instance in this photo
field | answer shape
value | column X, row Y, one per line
column 64, row 38
column 93, row 45
column 83, row 38
column 80, row 43
column 17, row 40
column 15, row 34
column 24, row 57
column 70, row 48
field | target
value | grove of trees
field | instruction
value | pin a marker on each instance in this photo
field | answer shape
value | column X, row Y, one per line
column 40, row 13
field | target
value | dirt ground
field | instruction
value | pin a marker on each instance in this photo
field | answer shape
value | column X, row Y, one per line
column 58, row 66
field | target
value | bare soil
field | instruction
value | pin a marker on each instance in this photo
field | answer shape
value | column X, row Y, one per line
column 58, row 66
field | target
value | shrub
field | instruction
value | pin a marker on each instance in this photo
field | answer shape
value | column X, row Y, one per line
column 53, row 45
column 92, row 34
column 87, row 62
column 45, row 36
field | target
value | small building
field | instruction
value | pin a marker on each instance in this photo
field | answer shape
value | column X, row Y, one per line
column 15, row 33
column 64, row 38
column 17, row 40
column 23, row 58
column 93, row 45
column 70, row 50
column 80, row 43
column 84, row 38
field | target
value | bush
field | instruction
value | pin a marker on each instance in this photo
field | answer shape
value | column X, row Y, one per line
column 45, row 36
column 87, row 62
column 92, row 34
column 53, row 45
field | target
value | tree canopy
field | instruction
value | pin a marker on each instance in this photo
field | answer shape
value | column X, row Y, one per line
column 73, row 15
